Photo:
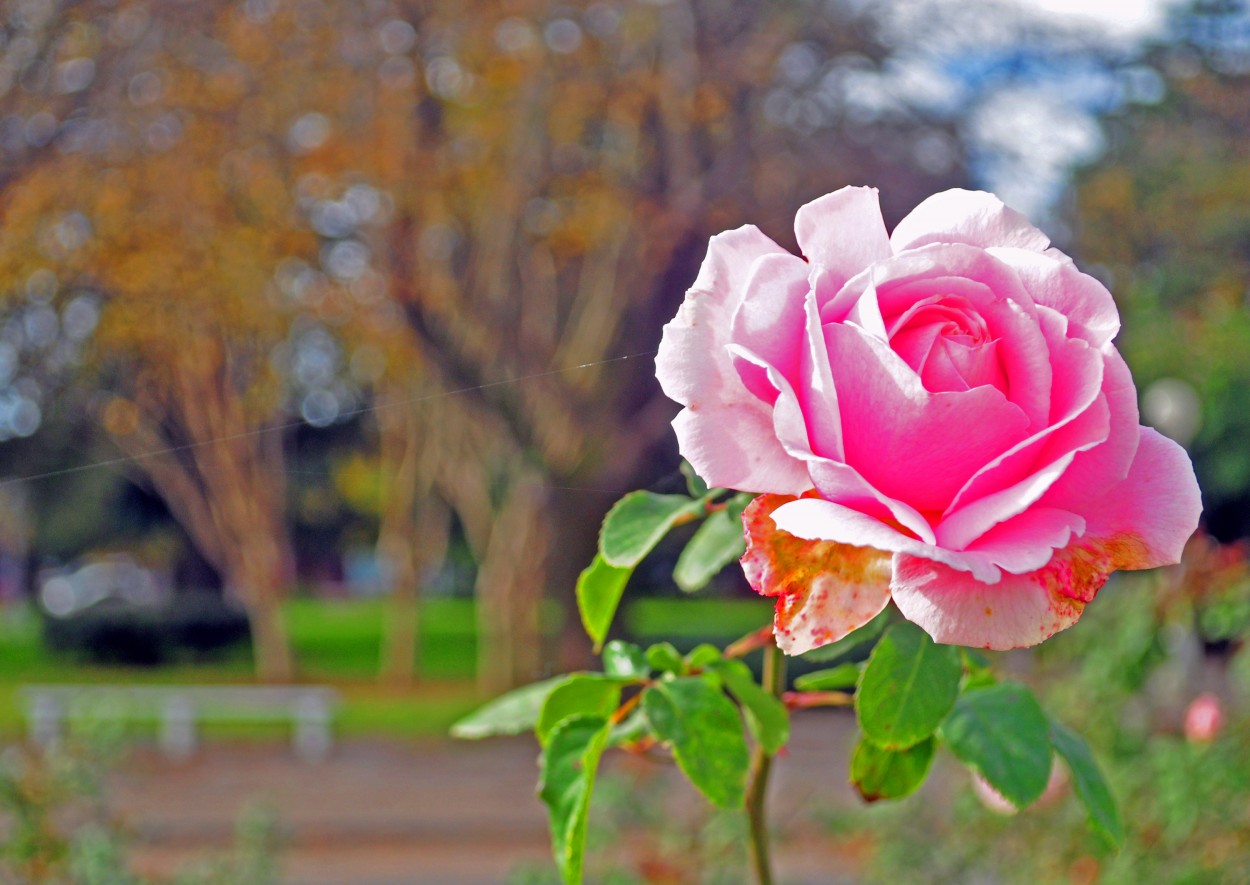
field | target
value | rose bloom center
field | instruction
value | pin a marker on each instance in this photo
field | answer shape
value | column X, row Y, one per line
column 948, row 345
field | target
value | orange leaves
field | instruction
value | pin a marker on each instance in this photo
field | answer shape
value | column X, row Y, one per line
column 120, row 417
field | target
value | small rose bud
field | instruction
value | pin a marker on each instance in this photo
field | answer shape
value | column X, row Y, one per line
column 1056, row 786
column 1204, row 719
column 990, row 797
column 1000, row 804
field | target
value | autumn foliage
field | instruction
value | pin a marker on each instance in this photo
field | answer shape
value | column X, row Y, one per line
column 470, row 193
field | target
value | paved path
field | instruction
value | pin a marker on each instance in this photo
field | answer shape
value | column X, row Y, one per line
column 434, row 813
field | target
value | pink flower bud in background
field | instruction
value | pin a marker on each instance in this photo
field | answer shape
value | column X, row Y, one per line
column 1204, row 719
column 991, row 798
column 1000, row 804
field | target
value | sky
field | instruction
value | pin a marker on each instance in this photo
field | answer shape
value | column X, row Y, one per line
column 1030, row 114
column 1131, row 19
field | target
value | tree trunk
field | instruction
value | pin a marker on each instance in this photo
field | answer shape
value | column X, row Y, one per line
column 236, row 522
column 270, row 643
column 408, row 549
column 575, row 520
column 257, row 575
column 510, row 587
column 401, row 630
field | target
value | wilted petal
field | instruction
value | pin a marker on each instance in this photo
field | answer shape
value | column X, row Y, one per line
column 824, row 590
column 1147, row 518
column 1017, row 611
column 1143, row 523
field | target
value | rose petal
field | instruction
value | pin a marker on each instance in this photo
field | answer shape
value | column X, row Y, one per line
column 824, row 590
column 1010, row 483
column 840, row 483
column 805, row 408
column 814, row 519
column 954, row 365
column 961, row 528
column 789, row 425
column 914, row 343
column 913, row 445
column 702, row 325
column 1156, row 506
column 770, row 319
column 943, row 269
column 1052, row 279
column 1143, row 522
column 976, row 284
column 1027, row 541
column 953, row 607
column 724, row 431
column 972, row 217
column 1095, row 470
column 866, row 313
column 817, row 394
column 842, row 233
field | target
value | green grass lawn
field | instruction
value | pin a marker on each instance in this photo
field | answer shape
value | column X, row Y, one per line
column 337, row 643
column 340, row 639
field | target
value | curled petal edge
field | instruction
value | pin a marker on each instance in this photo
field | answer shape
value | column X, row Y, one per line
column 1143, row 522
column 824, row 590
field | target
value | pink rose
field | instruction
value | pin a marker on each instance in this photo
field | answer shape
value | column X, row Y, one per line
column 936, row 416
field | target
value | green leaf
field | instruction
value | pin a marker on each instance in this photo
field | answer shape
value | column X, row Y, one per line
column 599, row 589
column 1091, row 787
column 878, row 773
column 735, row 505
column 973, row 659
column 635, row 727
column 694, row 482
column 706, row 733
column 839, row 677
column 718, row 542
column 584, row 694
column 569, row 763
column 766, row 715
column 702, row 655
column 1002, row 733
column 866, row 634
column 625, row 660
column 637, row 522
column 908, row 687
column 663, row 656
column 977, row 671
column 511, row 713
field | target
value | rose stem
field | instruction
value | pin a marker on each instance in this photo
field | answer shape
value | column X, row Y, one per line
column 805, row 700
column 774, row 680
column 761, row 638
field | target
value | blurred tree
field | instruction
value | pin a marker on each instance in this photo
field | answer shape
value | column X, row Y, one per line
column 1168, row 215
column 157, row 199
column 486, row 204
column 561, row 173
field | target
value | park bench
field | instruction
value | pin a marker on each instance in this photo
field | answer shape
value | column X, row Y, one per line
column 179, row 708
